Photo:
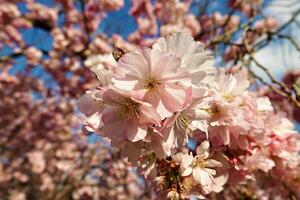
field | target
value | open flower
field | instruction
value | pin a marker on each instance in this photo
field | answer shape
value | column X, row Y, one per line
column 125, row 117
column 230, row 86
column 157, row 75
column 103, row 66
column 194, row 58
column 200, row 167
column 91, row 104
column 259, row 160
column 176, row 128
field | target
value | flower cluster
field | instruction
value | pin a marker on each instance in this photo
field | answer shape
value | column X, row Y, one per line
column 189, row 127
column 151, row 95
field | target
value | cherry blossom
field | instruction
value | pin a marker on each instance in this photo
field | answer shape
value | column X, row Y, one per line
column 162, row 98
column 157, row 75
column 111, row 99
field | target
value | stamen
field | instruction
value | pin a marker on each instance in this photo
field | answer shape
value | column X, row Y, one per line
column 150, row 83
column 200, row 162
column 182, row 123
column 214, row 110
column 128, row 109
column 228, row 97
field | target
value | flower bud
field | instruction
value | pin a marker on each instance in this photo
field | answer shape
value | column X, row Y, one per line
column 173, row 195
column 118, row 53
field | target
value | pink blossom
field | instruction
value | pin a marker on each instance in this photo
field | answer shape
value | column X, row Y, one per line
column 103, row 66
column 92, row 106
column 112, row 4
column 175, row 129
column 259, row 161
column 197, row 61
column 41, row 12
column 37, row 161
column 231, row 86
column 201, row 167
column 8, row 10
column 17, row 195
column 33, row 55
column 126, row 117
column 157, row 75
column 192, row 23
column 47, row 183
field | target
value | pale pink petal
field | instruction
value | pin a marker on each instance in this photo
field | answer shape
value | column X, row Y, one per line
column 264, row 104
column 109, row 114
column 93, row 123
column 189, row 98
column 188, row 171
column 231, row 83
column 154, row 99
column 181, row 77
column 132, row 152
column 165, row 66
column 169, row 140
column 156, row 145
column 113, row 97
column 198, row 91
column 133, row 65
column 148, row 114
column 173, row 97
column 212, row 163
column 87, row 105
column 114, row 127
column 187, row 160
column 210, row 171
column 225, row 136
column 219, row 182
column 202, row 176
column 125, row 84
column 242, row 81
column 194, row 57
column 169, row 135
column 135, row 132
column 202, row 149
column 116, row 130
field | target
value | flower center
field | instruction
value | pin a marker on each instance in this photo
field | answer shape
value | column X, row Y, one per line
column 150, row 83
column 182, row 123
column 128, row 109
column 215, row 110
column 228, row 97
column 200, row 163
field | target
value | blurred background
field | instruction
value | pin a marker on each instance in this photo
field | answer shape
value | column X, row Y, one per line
column 47, row 48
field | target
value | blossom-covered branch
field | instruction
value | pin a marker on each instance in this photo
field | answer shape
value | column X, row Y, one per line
column 161, row 120
column 157, row 100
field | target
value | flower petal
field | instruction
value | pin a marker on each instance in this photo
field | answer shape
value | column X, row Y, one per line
column 87, row 105
column 212, row 163
column 93, row 123
column 148, row 114
column 188, row 171
column 173, row 97
column 202, row 176
column 165, row 66
column 135, row 131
